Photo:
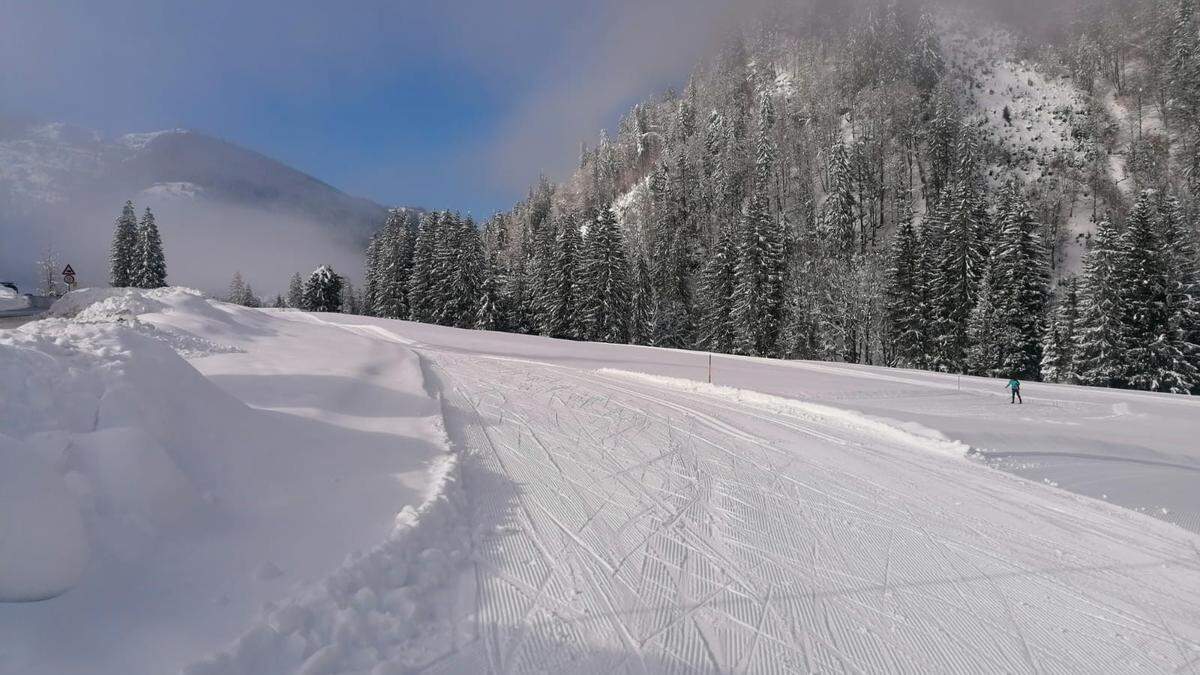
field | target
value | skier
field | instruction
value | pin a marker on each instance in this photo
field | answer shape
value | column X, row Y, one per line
column 1015, row 385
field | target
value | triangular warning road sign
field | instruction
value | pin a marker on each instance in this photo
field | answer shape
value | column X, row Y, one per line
column 68, row 272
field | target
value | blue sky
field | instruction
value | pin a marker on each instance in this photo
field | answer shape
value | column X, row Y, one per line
column 450, row 104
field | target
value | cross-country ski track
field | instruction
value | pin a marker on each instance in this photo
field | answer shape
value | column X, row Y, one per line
column 628, row 523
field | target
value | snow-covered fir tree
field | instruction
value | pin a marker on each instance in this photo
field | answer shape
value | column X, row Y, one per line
column 123, row 260
column 149, row 260
column 1060, row 344
column 295, row 292
column 758, row 291
column 1103, row 340
column 322, row 291
column 604, row 282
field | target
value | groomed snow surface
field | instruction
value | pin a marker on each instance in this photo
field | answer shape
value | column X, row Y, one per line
column 254, row 491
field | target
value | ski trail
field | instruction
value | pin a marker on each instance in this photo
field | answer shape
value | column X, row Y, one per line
column 634, row 526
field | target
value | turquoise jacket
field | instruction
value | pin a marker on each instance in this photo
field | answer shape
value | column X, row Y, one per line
column 1014, row 384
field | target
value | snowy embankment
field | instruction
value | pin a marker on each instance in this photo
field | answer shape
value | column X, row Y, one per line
column 172, row 469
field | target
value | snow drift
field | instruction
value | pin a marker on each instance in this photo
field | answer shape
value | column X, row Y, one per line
column 172, row 468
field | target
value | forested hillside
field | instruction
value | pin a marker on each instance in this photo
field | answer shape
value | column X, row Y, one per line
column 1006, row 194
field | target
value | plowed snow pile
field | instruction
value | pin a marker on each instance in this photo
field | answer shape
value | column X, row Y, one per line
column 172, row 467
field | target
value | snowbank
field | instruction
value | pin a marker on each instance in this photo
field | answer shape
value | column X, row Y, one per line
column 105, row 421
column 42, row 545
column 908, row 434
column 170, row 465
column 383, row 612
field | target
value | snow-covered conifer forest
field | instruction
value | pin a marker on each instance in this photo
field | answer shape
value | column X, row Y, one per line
column 882, row 183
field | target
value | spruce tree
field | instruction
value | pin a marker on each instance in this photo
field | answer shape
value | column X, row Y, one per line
column 295, row 293
column 557, row 299
column 962, row 223
column 605, row 283
column 984, row 328
column 1060, row 344
column 322, row 291
column 237, row 290
column 1159, row 281
column 1103, row 341
column 372, row 273
column 462, row 274
column 349, row 299
column 758, row 293
column 492, row 313
column 421, row 296
column 718, row 283
column 642, row 304
column 1019, row 287
column 123, row 267
column 150, row 262
column 907, row 330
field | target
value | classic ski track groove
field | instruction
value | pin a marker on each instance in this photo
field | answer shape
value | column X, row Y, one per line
column 644, row 529
column 651, row 533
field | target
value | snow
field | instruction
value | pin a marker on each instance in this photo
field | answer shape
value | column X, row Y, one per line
column 11, row 300
column 221, row 460
column 625, row 516
column 175, row 190
column 42, row 545
column 335, row 494
column 141, row 140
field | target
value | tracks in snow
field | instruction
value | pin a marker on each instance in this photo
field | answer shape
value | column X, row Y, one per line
column 624, row 527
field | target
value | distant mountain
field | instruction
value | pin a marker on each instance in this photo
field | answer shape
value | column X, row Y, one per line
column 63, row 185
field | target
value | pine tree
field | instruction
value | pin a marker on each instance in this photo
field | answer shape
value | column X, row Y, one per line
column 280, row 302
column 1102, row 344
column 717, row 287
column 557, row 297
column 1159, row 284
column 295, row 293
column 758, row 294
column 984, row 351
column 372, row 274
column 461, row 275
column 961, row 221
column 322, row 291
column 642, row 305
column 926, row 63
column 492, row 313
column 605, row 282
column 123, row 269
column 349, row 303
column 838, row 219
column 905, row 314
column 942, row 139
column 393, row 268
column 237, row 290
column 421, row 289
column 1020, row 286
column 1059, row 345
column 251, row 300
column 150, row 262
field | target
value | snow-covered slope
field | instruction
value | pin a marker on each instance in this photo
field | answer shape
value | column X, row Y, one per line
column 219, row 460
column 604, row 509
column 65, row 185
column 626, row 516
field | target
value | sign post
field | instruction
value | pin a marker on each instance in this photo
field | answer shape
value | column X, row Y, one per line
column 68, row 275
